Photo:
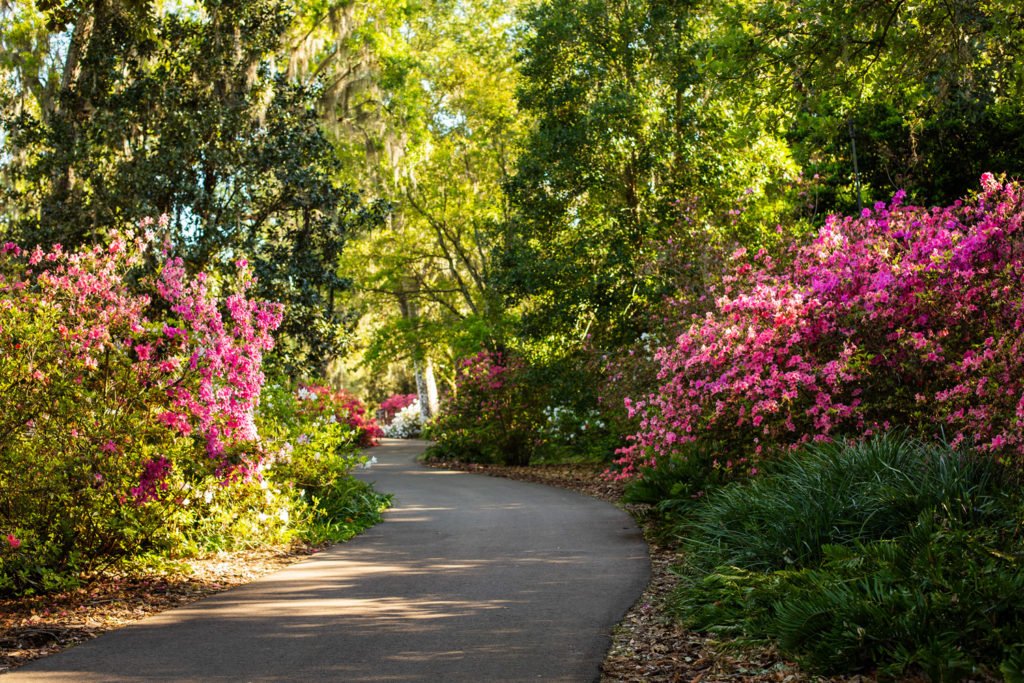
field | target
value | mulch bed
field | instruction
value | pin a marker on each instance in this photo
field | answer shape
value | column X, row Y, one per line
column 647, row 645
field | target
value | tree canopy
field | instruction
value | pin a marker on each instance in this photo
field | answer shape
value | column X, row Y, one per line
column 422, row 179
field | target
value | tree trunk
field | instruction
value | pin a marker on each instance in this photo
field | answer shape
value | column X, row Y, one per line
column 428, row 377
column 422, row 367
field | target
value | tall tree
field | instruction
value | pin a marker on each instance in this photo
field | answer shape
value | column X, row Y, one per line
column 632, row 146
column 420, row 96
column 180, row 110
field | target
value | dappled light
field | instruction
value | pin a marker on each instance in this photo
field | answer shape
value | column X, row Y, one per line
column 493, row 578
column 278, row 275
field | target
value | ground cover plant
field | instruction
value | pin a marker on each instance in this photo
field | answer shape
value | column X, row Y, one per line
column 889, row 553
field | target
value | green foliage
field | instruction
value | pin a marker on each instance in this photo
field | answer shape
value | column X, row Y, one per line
column 940, row 599
column 630, row 147
column 888, row 554
column 183, row 113
column 575, row 434
column 247, row 513
column 342, row 511
column 927, row 91
column 312, row 463
column 675, row 484
column 494, row 416
column 438, row 154
column 835, row 494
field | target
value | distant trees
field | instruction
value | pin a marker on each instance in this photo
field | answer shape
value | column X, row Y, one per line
column 418, row 99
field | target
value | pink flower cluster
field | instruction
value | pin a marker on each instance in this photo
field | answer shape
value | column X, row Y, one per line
column 394, row 403
column 153, row 480
column 343, row 406
column 226, row 353
column 205, row 364
column 902, row 316
column 482, row 377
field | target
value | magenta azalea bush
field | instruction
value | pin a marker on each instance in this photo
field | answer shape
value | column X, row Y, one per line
column 902, row 316
column 393, row 404
column 115, row 407
column 494, row 414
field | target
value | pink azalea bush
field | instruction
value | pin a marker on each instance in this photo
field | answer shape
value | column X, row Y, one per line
column 319, row 401
column 902, row 316
column 115, row 407
column 493, row 415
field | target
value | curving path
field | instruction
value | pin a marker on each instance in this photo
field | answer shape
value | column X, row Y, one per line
column 470, row 578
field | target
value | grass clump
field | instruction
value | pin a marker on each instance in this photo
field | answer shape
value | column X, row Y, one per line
column 890, row 554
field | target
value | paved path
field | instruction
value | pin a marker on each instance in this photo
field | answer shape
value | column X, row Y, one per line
column 470, row 578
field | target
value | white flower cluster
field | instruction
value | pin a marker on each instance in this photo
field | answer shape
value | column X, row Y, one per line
column 566, row 424
column 408, row 423
column 650, row 344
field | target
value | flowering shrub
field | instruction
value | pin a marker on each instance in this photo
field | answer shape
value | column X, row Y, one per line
column 568, row 425
column 108, row 417
column 900, row 316
column 407, row 422
column 224, row 354
column 310, row 457
column 395, row 403
column 341, row 406
column 494, row 414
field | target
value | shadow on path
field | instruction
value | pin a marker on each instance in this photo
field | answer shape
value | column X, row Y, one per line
column 469, row 578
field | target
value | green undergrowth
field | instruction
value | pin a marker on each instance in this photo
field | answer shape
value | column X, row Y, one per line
column 346, row 510
column 890, row 555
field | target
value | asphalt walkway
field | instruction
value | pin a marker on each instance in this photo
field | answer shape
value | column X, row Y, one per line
column 469, row 578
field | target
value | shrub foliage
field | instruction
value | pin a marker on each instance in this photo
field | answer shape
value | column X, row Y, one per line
column 494, row 413
column 900, row 316
column 128, row 421
column 889, row 553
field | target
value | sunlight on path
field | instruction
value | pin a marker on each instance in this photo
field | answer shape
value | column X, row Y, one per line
column 469, row 578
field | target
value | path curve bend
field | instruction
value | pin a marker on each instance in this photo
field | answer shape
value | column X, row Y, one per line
column 469, row 578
